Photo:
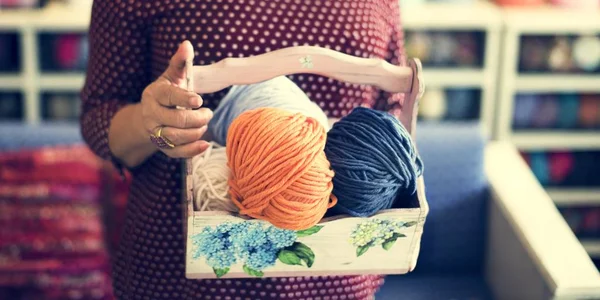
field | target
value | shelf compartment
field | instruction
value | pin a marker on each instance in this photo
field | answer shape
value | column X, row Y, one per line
column 63, row 52
column 447, row 49
column 10, row 52
column 11, row 106
column 60, row 106
column 564, row 112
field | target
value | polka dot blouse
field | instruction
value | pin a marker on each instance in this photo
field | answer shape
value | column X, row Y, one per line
column 131, row 44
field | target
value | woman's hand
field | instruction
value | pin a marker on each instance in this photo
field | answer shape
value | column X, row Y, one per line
column 131, row 128
column 183, row 128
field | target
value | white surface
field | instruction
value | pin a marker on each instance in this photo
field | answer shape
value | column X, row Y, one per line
column 70, row 82
column 53, row 17
column 557, row 83
column 536, row 140
column 8, row 82
column 550, row 19
column 447, row 15
column 549, row 241
column 455, row 77
column 574, row 197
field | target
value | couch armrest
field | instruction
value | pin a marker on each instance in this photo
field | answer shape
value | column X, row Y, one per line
column 531, row 251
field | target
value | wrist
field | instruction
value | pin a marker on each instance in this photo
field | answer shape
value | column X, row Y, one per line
column 128, row 139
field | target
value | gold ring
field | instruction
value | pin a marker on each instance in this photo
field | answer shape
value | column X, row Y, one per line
column 159, row 140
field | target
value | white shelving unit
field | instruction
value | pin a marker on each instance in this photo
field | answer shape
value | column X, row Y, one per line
column 551, row 21
column 542, row 20
column 444, row 16
column 31, row 81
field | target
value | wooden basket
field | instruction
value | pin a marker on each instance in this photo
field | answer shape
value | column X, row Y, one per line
column 325, row 249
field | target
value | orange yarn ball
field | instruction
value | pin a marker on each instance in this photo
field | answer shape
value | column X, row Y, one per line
column 279, row 171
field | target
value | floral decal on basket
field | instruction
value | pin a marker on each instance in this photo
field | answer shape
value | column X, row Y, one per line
column 376, row 232
column 256, row 245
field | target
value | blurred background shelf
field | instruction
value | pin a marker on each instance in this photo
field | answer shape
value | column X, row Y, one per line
column 550, row 19
column 49, row 49
column 455, row 77
column 592, row 247
column 549, row 106
column 461, row 64
column 541, row 140
column 51, row 17
column 558, row 82
column 458, row 44
column 11, row 81
column 71, row 82
column 444, row 15
column 575, row 196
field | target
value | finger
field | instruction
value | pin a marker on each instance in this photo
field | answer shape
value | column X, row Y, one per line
column 182, row 119
column 175, row 72
column 170, row 95
column 188, row 150
column 183, row 136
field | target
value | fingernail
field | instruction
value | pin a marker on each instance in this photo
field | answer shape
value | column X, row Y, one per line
column 195, row 101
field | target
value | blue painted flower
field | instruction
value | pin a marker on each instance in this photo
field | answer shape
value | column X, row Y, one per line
column 215, row 246
column 253, row 243
column 262, row 257
column 281, row 238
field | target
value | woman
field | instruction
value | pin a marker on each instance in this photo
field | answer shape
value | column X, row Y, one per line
column 136, row 77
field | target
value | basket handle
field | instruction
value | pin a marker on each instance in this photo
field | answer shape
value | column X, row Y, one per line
column 318, row 61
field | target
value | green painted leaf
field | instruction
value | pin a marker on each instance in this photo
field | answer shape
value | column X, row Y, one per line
column 362, row 250
column 253, row 272
column 398, row 235
column 220, row 272
column 409, row 224
column 310, row 231
column 389, row 243
column 289, row 258
column 304, row 253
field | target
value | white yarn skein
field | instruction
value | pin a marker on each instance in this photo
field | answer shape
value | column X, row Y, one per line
column 433, row 105
column 210, row 174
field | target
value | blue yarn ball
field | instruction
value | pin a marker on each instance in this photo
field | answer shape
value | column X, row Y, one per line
column 460, row 104
column 568, row 114
column 540, row 167
column 374, row 161
column 279, row 92
column 525, row 106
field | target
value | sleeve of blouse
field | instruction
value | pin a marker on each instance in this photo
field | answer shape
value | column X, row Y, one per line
column 392, row 102
column 117, row 70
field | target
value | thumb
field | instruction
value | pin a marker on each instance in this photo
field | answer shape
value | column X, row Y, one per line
column 176, row 72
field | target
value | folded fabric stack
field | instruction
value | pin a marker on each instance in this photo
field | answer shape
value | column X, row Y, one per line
column 52, row 242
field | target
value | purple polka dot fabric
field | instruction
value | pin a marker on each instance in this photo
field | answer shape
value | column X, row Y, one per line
column 131, row 43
